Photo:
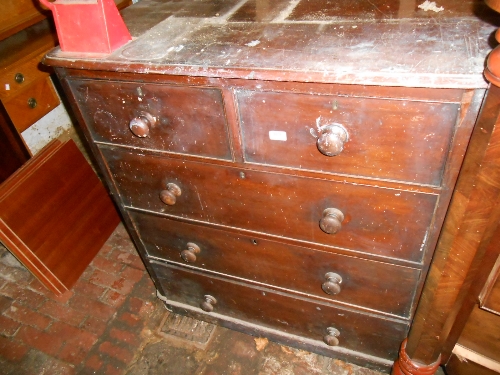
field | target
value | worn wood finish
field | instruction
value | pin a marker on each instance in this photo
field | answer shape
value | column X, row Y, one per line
column 389, row 223
column 55, row 215
column 188, row 120
column 399, row 140
column 360, row 332
column 364, row 283
column 409, row 80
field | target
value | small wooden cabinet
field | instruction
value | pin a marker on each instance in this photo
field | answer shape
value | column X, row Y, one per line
column 287, row 173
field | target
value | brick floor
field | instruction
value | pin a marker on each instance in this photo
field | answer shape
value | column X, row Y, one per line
column 107, row 324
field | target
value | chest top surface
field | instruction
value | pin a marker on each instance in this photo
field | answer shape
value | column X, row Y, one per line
column 373, row 42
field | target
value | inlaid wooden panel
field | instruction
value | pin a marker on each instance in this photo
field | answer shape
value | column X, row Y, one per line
column 373, row 285
column 369, row 334
column 188, row 120
column 387, row 222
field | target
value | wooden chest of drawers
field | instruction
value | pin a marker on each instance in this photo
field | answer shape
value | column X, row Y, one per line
column 274, row 192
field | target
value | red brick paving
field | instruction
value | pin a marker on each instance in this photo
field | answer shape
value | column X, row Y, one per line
column 94, row 328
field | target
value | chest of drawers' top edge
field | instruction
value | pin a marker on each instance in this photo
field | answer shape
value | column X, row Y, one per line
column 393, row 43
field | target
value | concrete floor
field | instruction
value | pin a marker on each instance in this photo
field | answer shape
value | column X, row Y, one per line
column 112, row 323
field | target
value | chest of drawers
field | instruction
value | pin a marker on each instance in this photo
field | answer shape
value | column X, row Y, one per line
column 281, row 170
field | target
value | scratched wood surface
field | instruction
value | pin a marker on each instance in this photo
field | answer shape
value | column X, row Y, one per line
column 379, row 42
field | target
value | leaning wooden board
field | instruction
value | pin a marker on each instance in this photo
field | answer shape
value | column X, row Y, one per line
column 55, row 215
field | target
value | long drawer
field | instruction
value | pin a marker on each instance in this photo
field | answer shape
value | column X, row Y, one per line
column 392, row 139
column 178, row 119
column 370, row 284
column 386, row 222
column 368, row 334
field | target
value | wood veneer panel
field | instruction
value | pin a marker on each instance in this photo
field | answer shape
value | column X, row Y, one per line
column 55, row 215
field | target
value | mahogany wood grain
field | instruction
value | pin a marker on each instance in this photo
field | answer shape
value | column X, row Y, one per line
column 379, row 221
column 366, row 284
column 55, row 215
column 470, row 221
column 189, row 120
column 369, row 334
column 398, row 140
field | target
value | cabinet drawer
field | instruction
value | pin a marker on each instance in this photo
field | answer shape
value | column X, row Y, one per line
column 391, row 139
column 386, row 222
column 374, row 285
column 176, row 119
column 361, row 332
column 17, row 78
column 32, row 103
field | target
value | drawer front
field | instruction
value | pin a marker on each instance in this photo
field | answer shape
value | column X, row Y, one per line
column 32, row 103
column 373, row 285
column 185, row 120
column 381, row 221
column 391, row 139
column 17, row 78
column 360, row 332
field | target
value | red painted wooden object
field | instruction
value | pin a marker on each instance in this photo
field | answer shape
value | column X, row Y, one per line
column 93, row 26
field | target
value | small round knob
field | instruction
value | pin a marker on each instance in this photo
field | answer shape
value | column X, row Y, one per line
column 32, row 103
column 331, row 140
column 19, row 77
column 330, row 338
column 170, row 194
column 207, row 304
column 189, row 255
column 331, row 222
column 332, row 284
column 140, row 125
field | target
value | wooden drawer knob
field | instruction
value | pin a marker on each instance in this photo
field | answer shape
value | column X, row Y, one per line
column 332, row 284
column 331, row 338
column 140, row 125
column 189, row 255
column 331, row 140
column 331, row 222
column 170, row 194
column 208, row 304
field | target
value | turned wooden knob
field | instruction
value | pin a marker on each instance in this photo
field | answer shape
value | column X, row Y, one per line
column 170, row 194
column 331, row 140
column 331, row 222
column 140, row 125
column 189, row 255
column 330, row 338
column 332, row 284
column 208, row 304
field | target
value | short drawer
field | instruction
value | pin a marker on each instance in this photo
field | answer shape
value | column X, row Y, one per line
column 15, row 79
column 373, row 285
column 387, row 222
column 177, row 119
column 31, row 103
column 391, row 139
column 368, row 334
